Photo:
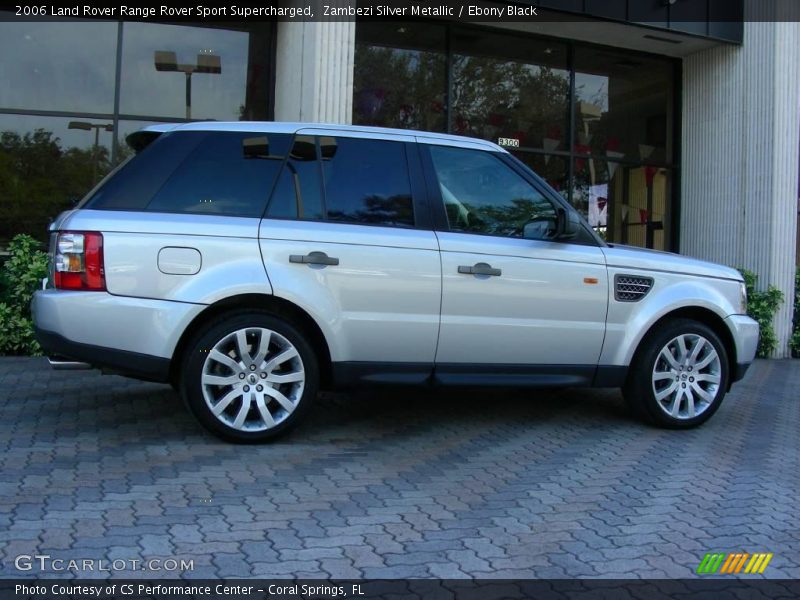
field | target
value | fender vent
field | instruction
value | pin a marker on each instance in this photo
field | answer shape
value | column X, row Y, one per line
column 631, row 288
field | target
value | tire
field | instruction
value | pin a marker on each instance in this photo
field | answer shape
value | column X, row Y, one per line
column 663, row 385
column 249, row 377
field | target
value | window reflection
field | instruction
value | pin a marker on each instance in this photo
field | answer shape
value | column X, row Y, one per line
column 45, row 168
column 237, row 92
column 623, row 106
column 507, row 87
column 553, row 169
column 400, row 76
column 58, row 66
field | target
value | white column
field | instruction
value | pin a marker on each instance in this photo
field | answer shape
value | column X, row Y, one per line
column 314, row 72
column 740, row 154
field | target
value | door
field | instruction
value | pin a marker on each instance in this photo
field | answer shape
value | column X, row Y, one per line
column 341, row 239
column 516, row 303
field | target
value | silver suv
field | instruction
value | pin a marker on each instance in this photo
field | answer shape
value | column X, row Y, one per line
column 251, row 264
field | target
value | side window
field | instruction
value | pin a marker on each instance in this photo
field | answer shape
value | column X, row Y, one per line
column 366, row 181
column 481, row 194
column 360, row 181
column 228, row 173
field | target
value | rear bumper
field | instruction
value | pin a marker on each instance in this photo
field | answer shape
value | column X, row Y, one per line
column 135, row 336
column 745, row 337
column 133, row 364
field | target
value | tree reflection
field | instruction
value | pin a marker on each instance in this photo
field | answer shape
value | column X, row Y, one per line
column 378, row 210
column 39, row 178
column 399, row 88
column 494, row 98
column 507, row 220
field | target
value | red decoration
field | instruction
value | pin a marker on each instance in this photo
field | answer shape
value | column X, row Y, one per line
column 612, row 144
column 650, row 174
column 643, row 216
column 554, row 132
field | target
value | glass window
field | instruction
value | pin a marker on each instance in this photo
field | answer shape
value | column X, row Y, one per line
column 135, row 183
column 400, row 75
column 552, row 168
column 229, row 71
column 483, row 195
column 507, row 86
column 623, row 106
column 366, row 181
column 298, row 192
column 226, row 174
column 624, row 203
column 46, row 167
column 65, row 66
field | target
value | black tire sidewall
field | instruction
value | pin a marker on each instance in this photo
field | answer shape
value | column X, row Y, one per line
column 639, row 388
column 192, row 367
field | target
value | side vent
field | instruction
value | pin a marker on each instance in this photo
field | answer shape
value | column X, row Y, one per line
column 631, row 288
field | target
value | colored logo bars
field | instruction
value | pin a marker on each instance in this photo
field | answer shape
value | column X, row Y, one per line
column 734, row 563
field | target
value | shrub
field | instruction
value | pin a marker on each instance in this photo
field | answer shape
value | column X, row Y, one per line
column 21, row 275
column 762, row 306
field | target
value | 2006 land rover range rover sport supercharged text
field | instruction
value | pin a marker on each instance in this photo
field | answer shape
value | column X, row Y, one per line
column 250, row 264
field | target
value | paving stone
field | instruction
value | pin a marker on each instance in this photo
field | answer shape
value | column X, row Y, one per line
column 399, row 483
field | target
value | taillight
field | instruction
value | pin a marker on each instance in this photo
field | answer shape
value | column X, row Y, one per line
column 78, row 261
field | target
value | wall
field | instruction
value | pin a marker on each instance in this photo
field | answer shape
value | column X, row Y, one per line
column 741, row 138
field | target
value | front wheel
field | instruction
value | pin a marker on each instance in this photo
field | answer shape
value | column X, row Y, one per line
column 249, row 377
column 679, row 376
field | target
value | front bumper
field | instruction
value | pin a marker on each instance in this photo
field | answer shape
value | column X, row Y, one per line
column 135, row 336
column 745, row 334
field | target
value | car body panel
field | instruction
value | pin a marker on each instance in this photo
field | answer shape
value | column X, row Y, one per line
column 230, row 259
column 380, row 303
column 141, row 325
column 539, row 310
column 629, row 322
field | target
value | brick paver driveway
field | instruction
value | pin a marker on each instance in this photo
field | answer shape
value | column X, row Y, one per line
column 401, row 484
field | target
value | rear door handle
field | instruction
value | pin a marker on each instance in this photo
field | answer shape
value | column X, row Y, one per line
column 313, row 258
column 480, row 269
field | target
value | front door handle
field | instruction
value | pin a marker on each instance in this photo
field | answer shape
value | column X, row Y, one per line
column 480, row 269
column 313, row 258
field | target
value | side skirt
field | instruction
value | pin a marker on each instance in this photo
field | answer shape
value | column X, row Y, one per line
column 356, row 374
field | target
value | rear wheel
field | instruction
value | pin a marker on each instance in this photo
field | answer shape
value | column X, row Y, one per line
column 249, row 377
column 679, row 376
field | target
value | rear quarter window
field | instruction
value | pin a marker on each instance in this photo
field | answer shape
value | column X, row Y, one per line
column 133, row 186
column 223, row 173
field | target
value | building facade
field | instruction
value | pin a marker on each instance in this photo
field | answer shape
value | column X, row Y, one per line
column 668, row 129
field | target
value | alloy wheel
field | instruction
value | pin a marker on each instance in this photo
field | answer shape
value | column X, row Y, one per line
column 686, row 376
column 253, row 379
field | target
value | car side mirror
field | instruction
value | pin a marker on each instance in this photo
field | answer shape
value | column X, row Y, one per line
column 541, row 228
column 568, row 224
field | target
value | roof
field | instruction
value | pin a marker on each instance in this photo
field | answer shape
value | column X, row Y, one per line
column 291, row 128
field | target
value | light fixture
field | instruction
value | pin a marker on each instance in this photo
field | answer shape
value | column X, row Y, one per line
column 207, row 62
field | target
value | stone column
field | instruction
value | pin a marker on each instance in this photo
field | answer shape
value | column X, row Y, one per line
column 314, row 72
column 740, row 155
